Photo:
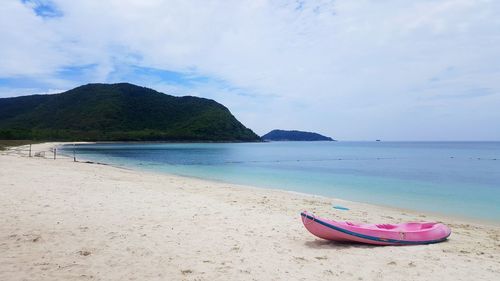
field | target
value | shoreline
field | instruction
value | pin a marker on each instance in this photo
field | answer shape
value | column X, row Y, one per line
column 72, row 220
column 441, row 216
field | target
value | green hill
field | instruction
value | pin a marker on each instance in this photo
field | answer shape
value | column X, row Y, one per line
column 283, row 135
column 118, row 112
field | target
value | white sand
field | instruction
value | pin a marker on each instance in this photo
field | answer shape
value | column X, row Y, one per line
column 61, row 220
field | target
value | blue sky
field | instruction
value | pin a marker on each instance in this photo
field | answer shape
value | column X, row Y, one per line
column 353, row 70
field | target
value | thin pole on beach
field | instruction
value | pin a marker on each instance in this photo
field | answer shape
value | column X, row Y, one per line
column 30, row 149
column 74, row 153
column 55, row 149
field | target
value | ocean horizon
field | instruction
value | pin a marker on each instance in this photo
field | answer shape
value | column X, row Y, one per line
column 453, row 178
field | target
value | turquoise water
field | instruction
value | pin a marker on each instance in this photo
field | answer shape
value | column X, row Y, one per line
column 456, row 178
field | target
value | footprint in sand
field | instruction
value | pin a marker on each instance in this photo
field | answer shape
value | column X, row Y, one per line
column 299, row 259
column 84, row 253
column 321, row 258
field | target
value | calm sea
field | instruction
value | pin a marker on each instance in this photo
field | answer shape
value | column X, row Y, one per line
column 456, row 178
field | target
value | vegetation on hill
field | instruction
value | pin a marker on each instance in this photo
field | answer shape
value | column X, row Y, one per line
column 282, row 135
column 118, row 112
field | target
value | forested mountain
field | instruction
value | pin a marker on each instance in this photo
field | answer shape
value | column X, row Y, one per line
column 118, row 112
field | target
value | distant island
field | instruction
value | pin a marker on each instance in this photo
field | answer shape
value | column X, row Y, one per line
column 118, row 112
column 293, row 135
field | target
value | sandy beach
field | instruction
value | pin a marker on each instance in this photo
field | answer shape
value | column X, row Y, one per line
column 65, row 220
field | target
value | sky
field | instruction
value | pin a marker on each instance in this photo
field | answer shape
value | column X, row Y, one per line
column 352, row 70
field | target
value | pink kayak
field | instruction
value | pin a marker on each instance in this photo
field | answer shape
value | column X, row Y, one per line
column 410, row 233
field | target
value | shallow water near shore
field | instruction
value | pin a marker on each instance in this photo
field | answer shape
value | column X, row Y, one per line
column 454, row 178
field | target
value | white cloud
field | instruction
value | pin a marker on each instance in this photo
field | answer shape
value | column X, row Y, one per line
column 351, row 69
